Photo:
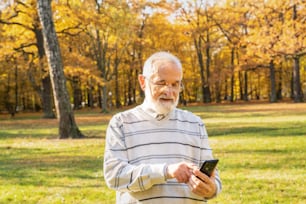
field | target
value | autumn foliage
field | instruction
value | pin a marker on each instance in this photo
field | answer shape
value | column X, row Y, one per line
column 231, row 50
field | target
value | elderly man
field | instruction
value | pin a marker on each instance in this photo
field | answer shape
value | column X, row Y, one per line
column 153, row 151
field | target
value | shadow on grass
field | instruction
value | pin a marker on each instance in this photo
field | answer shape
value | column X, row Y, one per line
column 264, row 164
column 35, row 134
column 19, row 134
column 294, row 130
column 33, row 166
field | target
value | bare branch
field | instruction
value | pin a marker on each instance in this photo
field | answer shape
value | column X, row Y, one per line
column 67, row 31
column 21, row 48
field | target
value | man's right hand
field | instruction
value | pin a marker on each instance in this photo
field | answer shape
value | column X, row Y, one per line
column 180, row 171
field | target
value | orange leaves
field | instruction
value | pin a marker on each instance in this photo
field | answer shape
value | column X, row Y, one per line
column 275, row 31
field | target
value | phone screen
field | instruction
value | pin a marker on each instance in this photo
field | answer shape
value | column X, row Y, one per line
column 209, row 166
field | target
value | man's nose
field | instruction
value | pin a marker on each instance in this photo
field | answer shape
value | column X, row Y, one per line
column 168, row 90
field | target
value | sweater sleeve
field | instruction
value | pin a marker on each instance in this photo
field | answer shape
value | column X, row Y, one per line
column 118, row 173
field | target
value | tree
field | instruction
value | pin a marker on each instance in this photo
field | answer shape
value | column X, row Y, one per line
column 201, row 30
column 80, row 70
column 21, row 15
column 67, row 124
column 250, row 53
column 233, row 28
column 281, row 33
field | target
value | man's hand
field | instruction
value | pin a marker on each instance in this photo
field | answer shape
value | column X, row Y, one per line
column 180, row 171
column 201, row 184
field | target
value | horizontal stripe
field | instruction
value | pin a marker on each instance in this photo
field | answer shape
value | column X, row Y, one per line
column 161, row 143
column 164, row 157
column 134, row 122
column 165, row 130
column 171, row 197
column 186, row 121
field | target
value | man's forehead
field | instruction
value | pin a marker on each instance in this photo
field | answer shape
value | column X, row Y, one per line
column 166, row 77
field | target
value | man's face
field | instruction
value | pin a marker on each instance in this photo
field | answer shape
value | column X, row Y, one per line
column 163, row 88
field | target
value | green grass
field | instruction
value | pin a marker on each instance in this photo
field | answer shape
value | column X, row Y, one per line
column 261, row 148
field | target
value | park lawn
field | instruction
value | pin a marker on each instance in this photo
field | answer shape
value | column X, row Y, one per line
column 261, row 148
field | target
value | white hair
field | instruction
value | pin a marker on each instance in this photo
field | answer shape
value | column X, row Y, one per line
column 149, row 67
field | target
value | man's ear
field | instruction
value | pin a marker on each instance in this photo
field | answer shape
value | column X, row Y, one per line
column 142, row 81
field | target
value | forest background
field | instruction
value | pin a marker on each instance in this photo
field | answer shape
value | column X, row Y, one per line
column 231, row 50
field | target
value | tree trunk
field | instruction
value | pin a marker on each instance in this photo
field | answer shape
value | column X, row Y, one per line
column 245, row 88
column 67, row 125
column 232, row 77
column 280, row 85
column 104, row 99
column 90, row 97
column 297, row 90
column 117, row 94
column 77, row 93
column 225, row 90
column 16, row 88
column 240, row 80
column 46, row 95
column 258, row 92
column 100, row 55
column 130, row 84
column 198, row 45
column 7, row 99
column 208, row 60
column 45, row 92
column 273, row 97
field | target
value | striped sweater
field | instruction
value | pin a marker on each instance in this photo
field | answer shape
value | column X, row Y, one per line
column 138, row 148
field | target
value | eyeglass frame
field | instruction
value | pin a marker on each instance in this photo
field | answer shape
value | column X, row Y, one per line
column 162, row 84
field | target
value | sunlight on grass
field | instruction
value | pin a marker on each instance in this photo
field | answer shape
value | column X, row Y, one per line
column 261, row 169
column 261, row 148
column 56, row 169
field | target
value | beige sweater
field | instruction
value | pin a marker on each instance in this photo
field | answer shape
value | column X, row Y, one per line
column 138, row 148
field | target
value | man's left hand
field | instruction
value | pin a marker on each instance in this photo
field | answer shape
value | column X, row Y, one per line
column 201, row 184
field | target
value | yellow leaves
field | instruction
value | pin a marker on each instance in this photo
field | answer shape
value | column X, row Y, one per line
column 3, row 76
column 76, row 71
column 96, row 33
column 81, row 66
column 84, row 74
column 22, row 13
column 17, row 29
column 273, row 30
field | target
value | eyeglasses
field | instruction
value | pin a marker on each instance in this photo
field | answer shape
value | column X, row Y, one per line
column 162, row 84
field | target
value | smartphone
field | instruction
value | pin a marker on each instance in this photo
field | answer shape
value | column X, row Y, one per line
column 208, row 166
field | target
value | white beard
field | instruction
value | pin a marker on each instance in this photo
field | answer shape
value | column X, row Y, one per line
column 158, row 106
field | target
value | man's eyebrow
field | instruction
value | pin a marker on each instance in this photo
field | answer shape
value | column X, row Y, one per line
column 160, row 80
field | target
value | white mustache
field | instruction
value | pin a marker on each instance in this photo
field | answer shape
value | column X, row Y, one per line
column 166, row 98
